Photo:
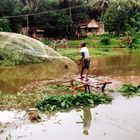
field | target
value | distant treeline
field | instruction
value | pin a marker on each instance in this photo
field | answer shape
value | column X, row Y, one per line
column 62, row 17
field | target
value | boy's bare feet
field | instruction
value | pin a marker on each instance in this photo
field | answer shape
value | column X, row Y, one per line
column 82, row 77
column 87, row 79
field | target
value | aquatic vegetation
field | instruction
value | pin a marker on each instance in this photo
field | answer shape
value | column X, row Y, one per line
column 130, row 90
column 19, row 100
column 60, row 102
column 62, row 87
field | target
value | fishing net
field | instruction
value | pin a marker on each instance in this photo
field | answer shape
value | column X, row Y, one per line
column 18, row 49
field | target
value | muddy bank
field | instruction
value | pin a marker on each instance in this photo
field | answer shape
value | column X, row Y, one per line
column 118, row 120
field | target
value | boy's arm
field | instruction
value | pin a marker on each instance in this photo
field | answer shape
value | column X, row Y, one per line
column 83, row 55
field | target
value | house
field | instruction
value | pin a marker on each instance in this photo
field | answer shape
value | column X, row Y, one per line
column 89, row 27
column 33, row 32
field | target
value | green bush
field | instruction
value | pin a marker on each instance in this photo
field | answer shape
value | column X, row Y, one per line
column 105, row 40
column 4, row 25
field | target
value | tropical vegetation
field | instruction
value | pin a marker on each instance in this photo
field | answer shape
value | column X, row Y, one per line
column 61, row 18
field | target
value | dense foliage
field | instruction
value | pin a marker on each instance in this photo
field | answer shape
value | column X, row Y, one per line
column 50, row 17
column 62, row 18
column 122, row 16
column 4, row 25
column 59, row 102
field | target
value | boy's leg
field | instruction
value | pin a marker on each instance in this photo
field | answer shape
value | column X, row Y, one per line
column 87, row 71
column 81, row 74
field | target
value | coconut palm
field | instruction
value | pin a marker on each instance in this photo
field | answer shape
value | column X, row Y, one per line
column 99, row 6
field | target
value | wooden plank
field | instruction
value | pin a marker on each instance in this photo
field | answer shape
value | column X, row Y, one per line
column 96, row 84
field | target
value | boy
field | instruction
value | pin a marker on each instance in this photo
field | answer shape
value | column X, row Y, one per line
column 85, row 60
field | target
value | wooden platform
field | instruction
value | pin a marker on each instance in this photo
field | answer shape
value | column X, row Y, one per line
column 89, row 84
column 76, row 83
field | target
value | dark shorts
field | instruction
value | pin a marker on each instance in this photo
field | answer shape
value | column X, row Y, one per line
column 86, row 64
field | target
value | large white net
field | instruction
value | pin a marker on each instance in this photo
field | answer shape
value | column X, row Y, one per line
column 31, row 47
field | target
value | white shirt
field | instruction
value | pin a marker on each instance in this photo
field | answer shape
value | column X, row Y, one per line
column 85, row 51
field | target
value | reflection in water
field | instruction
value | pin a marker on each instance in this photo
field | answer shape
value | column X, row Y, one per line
column 117, row 121
column 87, row 117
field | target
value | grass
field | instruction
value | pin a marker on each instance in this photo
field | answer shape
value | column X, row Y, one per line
column 98, row 46
column 74, row 53
column 96, row 41
column 45, row 102
column 12, row 57
column 19, row 100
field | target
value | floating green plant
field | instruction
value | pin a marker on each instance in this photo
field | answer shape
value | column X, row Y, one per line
column 130, row 90
column 60, row 102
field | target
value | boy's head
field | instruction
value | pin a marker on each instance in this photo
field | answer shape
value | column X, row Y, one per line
column 83, row 44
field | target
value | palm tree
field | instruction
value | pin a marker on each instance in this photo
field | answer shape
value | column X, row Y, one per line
column 100, row 6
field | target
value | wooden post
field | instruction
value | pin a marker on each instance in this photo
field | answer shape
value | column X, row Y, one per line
column 72, row 86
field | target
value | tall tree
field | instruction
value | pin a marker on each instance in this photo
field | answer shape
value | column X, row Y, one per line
column 122, row 15
column 97, row 8
column 10, row 7
column 116, row 17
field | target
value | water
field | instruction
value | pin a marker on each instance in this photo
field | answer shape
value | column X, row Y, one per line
column 12, row 79
column 125, row 68
column 118, row 120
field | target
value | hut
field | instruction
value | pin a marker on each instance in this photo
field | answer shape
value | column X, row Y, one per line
column 89, row 27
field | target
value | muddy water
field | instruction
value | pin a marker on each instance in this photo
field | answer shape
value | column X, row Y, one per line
column 125, row 68
column 13, row 79
column 119, row 120
column 116, row 121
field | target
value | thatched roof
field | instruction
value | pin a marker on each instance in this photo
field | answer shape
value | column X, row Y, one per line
column 91, row 23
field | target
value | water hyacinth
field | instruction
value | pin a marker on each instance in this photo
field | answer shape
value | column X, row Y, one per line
column 60, row 102
column 130, row 90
